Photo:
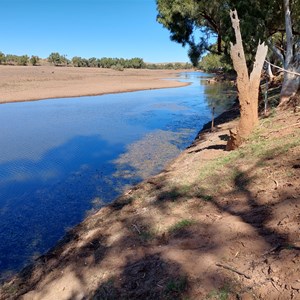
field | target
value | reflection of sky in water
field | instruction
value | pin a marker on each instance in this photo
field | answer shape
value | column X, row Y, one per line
column 59, row 158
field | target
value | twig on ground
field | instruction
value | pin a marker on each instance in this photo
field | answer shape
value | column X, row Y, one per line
column 137, row 229
column 280, row 222
column 273, row 283
column 276, row 182
column 233, row 270
column 272, row 249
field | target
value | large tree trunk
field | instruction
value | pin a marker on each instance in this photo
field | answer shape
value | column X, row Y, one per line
column 248, row 87
column 291, row 82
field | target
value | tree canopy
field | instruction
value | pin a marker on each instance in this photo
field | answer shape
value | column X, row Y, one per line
column 57, row 59
column 196, row 22
column 205, row 27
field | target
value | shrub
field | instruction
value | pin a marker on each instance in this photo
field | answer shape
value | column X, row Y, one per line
column 118, row 67
column 2, row 58
column 34, row 60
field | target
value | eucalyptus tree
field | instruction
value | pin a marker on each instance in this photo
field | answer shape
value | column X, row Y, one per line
column 195, row 22
column 22, row 60
column 2, row 58
column 93, row 62
column 291, row 57
column 77, row 61
column 55, row 58
column 136, row 63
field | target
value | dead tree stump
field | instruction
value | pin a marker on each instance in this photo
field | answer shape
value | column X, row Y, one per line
column 248, row 86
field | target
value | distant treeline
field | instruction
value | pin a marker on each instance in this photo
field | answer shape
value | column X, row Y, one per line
column 105, row 62
column 20, row 60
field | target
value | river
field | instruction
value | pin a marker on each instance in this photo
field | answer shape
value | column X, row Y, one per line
column 61, row 159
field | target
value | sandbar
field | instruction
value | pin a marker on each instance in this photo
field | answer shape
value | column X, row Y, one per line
column 27, row 83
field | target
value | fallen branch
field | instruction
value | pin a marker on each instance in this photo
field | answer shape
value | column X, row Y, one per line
column 233, row 270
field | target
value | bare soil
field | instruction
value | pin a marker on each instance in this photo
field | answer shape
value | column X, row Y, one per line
column 18, row 83
column 213, row 225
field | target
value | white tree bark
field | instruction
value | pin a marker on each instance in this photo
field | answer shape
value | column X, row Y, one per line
column 291, row 82
column 289, row 34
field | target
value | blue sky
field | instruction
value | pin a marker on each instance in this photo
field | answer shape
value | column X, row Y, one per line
column 87, row 28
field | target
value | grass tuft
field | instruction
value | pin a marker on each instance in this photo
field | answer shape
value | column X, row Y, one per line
column 176, row 286
column 181, row 224
column 221, row 294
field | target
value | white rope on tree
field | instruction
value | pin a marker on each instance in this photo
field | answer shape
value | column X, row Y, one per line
column 284, row 70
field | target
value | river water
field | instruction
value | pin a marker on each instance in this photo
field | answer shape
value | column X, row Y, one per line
column 61, row 159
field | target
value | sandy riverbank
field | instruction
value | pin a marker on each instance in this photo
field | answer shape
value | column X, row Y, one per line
column 19, row 83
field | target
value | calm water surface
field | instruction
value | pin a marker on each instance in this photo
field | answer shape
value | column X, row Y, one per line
column 63, row 158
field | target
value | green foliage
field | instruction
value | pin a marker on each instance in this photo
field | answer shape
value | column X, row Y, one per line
column 57, row 59
column 221, row 294
column 213, row 62
column 23, row 60
column 105, row 62
column 176, row 286
column 146, row 236
column 120, row 63
column 34, row 60
column 118, row 67
column 93, row 62
column 136, row 63
column 260, row 20
column 181, row 224
column 54, row 58
column 2, row 58
column 11, row 59
column 206, row 198
column 169, row 66
column 78, row 61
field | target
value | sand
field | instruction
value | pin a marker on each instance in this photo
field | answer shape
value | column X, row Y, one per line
column 18, row 83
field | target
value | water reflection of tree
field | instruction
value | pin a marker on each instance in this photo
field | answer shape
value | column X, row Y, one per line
column 219, row 96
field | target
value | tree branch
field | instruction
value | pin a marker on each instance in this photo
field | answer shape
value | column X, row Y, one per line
column 211, row 21
column 275, row 51
column 289, row 33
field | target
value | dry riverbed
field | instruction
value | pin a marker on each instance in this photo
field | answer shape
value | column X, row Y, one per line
column 18, row 83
